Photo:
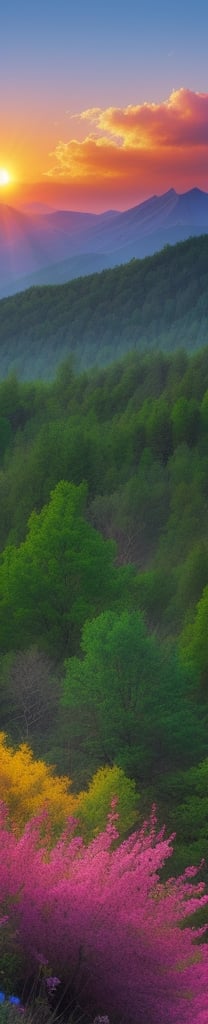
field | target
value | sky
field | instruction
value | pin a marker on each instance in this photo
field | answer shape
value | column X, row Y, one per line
column 102, row 104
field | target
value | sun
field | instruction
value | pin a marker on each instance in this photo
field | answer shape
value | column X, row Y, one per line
column 4, row 176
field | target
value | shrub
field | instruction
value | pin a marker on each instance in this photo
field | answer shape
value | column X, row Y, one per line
column 105, row 923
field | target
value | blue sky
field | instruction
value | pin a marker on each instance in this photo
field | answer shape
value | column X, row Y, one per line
column 105, row 53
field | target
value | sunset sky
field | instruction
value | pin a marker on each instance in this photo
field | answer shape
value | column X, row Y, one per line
column 102, row 103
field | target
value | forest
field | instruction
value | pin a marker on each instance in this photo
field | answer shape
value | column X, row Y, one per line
column 104, row 675
column 150, row 304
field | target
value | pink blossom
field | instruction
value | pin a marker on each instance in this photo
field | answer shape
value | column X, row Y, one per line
column 106, row 924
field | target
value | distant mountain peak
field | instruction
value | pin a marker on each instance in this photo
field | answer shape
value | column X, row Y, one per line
column 85, row 242
column 195, row 192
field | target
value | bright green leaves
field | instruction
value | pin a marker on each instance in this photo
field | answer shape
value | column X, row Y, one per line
column 93, row 805
column 194, row 642
column 62, row 574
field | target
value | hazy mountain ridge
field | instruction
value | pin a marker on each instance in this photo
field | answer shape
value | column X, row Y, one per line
column 160, row 302
column 36, row 246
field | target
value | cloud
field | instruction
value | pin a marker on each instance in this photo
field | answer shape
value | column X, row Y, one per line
column 138, row 147
column 180, row 120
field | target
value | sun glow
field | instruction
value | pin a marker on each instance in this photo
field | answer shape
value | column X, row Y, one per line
column 4, row 176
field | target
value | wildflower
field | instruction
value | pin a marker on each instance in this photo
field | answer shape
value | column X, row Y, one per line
column 41, row 960
column 14, row 1000
column 2, row 997
column 101, row 1020
column 52, row 983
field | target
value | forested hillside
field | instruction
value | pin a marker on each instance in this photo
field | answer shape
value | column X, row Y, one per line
column 158, row 302
column 104, row 576
column 104, row 687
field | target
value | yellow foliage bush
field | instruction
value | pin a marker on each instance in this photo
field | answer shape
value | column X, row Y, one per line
column 93, row 805
column 27, row 785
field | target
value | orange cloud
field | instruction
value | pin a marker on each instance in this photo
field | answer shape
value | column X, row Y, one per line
column 180, row 120
column 135, row 149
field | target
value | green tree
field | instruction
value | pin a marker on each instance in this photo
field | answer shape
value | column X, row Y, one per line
column 5, row 435
column 158, row 429
column 193, row 576
column 187, row 812
column 60, row 575
column 194, row 642
column 94, row 802
column 185, row 421
column 129, row 699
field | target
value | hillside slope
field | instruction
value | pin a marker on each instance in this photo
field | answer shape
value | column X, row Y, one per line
column 160, row 302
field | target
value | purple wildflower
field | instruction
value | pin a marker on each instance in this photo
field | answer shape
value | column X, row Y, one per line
column 52, row 983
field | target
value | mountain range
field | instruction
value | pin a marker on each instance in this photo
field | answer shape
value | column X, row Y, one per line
column 40, row 245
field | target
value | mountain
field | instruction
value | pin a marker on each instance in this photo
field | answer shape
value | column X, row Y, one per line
column 36, row 244
column 159, row 303
column 60, row 273
column 35, row 207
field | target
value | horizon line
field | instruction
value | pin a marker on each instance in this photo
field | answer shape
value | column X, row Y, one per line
column 113, row 210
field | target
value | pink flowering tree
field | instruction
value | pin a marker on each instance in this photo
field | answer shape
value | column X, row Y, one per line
column 106, row 924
